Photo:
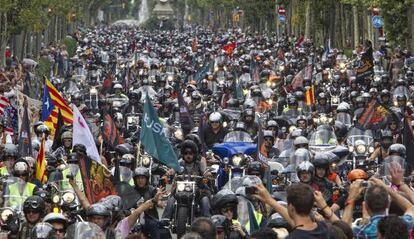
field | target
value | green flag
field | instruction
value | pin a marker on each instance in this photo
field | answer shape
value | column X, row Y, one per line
column 154, row 139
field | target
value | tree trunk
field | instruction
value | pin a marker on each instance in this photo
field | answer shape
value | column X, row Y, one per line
column 356, row 25
column 308, row 19
column 411, row 23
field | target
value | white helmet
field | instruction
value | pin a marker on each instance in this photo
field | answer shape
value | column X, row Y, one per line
column 117, row 86
column 300, row 140
column 214, row 117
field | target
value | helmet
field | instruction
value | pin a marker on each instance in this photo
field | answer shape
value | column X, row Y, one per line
column 240, row 125
column 55, row 217
column 255, row 168
column 354, row 94
column 321, row 160
column 300, row 140
column 73, row 158
column 21, row 167
column 195, row 95
column 268, row 133
column 98, row 209
column 34, row 203
column 50, row 159
column 141, row 171
column 385, row 92
column 292, row 101
column 126, row 159
column 272, row 123
column 112, row 202
column 401, row 97
column 37, row 124
column 117, row 86
column 42, row 129
column 195, row 138
column 398, row 149
column 66, row 135
column 214, row 117
column 219, row 221
column 79, row 148
column 343, row 107
column 357, row 174
column 122, row 149
column 10, row 150
column 322, row 95
column 248, row 112
column 189, row 144
column 340, row 129
column 43, row 230
column 233, row 103
column 224, row 198
column 305, row 166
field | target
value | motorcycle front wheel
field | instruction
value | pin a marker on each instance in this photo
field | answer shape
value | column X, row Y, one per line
column 182, row 217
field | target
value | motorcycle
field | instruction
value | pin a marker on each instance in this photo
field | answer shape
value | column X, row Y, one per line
column 361, row 144
column 234, row 155
column 322, row 140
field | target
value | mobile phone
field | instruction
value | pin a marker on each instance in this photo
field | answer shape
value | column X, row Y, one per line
column 161, row 183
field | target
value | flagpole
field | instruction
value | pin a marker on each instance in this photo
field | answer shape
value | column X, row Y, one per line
column 139, row 154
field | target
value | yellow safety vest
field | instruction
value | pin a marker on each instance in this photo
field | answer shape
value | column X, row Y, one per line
column 16, row 199
column 258, row 217
column 130, row 182
column 65, row 181
column 4, row 171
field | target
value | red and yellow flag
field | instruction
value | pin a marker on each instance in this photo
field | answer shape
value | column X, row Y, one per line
column 50, row 116
column 41, row 164
column 310, row 96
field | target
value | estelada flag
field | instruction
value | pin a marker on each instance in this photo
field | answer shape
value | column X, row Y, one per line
column 310, row 96
column 110, row 133
column 408, row 141
column 41, row 164
column 52, row 103
column 229, row 48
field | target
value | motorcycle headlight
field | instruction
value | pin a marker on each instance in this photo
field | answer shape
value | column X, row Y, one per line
column 342, row 65
column 68, row 197
column 180, row 187
column 281, row 68
column 360, row 149
column 5, row 213
column 93, row 91
column 56, row 199
column 146, row 161
column 371, row 149
column 335, row 100
column 226, row 160
column 351, row 149
column 323, row 119
column 270, row 101
column 236, row 160
column 170, row 78
column 224, row 124
column 216, row 68
column 188, row 188
column 269, row 83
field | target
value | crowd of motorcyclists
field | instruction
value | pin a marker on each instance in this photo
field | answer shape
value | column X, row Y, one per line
column 279, row 128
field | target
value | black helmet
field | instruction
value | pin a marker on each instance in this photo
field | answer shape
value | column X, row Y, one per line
column 340, row 129
column 322, row 95
column 34, row 203
column 401, row 97
column 73, row 158
column 397, row 149
column 385, row 92
column 51, row 159
column 79, row 148
column 233, row 103
column 141, row 171
column 122, row 149
column 224, row 198
column 43, row 230
column 189, row 144
column 305, row 166
column 195, row 138
column 321, row 160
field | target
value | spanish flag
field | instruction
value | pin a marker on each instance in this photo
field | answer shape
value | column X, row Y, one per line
column 41, row 164
column 310, row 96
column 52, row 103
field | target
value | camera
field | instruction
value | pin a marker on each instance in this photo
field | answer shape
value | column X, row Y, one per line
column 250, row 190
column 365, row 183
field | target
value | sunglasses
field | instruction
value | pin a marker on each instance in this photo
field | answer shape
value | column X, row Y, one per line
column 60, row 230
column 268, row 139
column 188, row 153
column 224, row 210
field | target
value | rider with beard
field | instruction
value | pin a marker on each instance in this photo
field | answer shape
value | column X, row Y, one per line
column 192, row 165
column 306, row 173
column 385, row 97
column 381, row 152
column 248, row 118
column 269, row 142
column 133, row 106
column 322, row 106
column 321, row 163
column 147, row 192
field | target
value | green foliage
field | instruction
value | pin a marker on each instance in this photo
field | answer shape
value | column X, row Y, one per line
column 70, row 44
column 44, row 67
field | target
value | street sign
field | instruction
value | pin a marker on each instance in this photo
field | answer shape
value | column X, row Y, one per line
column 281, row 11
column 377, row 22
column 282, row 18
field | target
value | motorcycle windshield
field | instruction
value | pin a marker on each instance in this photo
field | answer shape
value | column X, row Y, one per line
column 344, row 118
column 232, row 114
column 322, row 140
column 385, row 167
column 14, row 193
column 84, row 230
column 125, row 173
column 401, row 90
column 238, row 136
column 231, row 148
column 356, row 134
